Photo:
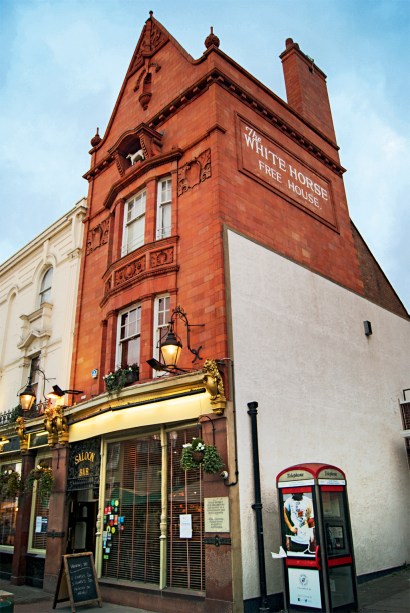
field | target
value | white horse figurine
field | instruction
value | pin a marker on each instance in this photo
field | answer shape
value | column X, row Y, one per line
column 134, row 157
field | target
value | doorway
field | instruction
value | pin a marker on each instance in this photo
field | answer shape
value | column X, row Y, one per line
column 82, row 525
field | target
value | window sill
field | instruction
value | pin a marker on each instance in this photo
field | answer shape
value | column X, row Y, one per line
column 151, row 588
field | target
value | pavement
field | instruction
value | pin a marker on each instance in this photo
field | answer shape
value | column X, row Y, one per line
column 387, row 594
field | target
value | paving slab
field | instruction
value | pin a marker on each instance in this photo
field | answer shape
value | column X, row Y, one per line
column 387, row 594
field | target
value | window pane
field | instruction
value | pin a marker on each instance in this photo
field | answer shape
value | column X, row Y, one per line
column 34, row 375
column 186, row 557
column 135, row 234
column 165, row 190
column 132, row 510
column 162, row 317
column 40, row 521
column 163, row 311
column 130, row 352
column 164, row 208
column 8, row 510
column 130, row 323
column 134, row 223
column 166, row 220
column 129, row 338
column 45, row 289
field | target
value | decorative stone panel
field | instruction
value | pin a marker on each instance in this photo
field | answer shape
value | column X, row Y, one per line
column 149, row 260
column 98, row 236
column 129, row 271
column 162, row 257
column 194, row 172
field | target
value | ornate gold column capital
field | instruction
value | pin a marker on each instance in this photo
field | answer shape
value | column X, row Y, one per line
column 21, row 433
column 214, row 386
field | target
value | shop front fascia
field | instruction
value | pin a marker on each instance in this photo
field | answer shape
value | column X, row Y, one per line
column 150, row 524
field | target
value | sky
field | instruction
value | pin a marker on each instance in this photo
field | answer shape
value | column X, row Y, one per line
column 62, row 63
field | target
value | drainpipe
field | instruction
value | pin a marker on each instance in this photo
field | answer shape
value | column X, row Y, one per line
column 257, row 506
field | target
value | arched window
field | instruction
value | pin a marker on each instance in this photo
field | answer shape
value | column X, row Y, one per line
column 45, row 288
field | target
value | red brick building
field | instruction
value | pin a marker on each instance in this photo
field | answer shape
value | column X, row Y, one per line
column 203, row 174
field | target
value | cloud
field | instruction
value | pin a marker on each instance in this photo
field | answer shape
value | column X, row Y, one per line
column 377, row 171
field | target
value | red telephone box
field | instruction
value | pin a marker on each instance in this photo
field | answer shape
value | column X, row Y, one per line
column 319, row 567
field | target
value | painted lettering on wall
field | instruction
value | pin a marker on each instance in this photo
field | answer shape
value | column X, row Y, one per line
column 271, row 164
column 85, row 457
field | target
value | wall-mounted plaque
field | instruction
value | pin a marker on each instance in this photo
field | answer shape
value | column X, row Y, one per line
column 217, row 514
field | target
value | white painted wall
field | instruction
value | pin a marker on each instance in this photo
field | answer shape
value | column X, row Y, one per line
column 50, row 329
column 326, row 393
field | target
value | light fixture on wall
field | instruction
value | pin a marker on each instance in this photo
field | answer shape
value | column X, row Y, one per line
column 58, row 393
column 367, row 328
column 28, row 395
column 171, row 346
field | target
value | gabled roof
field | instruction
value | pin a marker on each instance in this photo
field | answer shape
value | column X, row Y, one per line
column 153, row 37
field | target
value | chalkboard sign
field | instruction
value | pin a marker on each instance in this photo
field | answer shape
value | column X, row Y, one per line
column 77, row 581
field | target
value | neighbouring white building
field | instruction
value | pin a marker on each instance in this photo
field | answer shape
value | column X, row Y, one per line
column 38, row 293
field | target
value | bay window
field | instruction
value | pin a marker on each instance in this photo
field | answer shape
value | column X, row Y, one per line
column 162, row 317
column 164, row 196
column 129, row 331
column 134, row 223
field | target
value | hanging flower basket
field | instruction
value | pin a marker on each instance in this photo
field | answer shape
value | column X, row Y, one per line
column 115, row 381
column 10, row 484
column 44, row 478
column 198, row 454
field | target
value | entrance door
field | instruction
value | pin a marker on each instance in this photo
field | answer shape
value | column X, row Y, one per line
column 81, row 527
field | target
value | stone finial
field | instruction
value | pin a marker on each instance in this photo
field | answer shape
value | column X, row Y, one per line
column 289, row 43
column 96, row 139
column 212, row 39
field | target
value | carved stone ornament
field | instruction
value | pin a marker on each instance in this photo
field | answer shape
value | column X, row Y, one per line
column 162, row 257
column 98, row 236
column 21, row 433
column 130, row 270
column 214, row 386
column 61, row 425
column 194, row 172
column 56, row 425
column 152, row 38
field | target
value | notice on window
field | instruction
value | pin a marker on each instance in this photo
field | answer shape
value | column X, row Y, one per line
column 39, row 523
column 217, row 514
column 185, row 526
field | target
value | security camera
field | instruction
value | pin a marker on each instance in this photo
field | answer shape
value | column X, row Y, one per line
column 224, row 475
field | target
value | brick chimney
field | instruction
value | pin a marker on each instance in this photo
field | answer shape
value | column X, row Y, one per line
column 306, row 89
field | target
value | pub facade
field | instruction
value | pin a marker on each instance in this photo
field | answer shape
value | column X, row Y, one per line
column 218, row 257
